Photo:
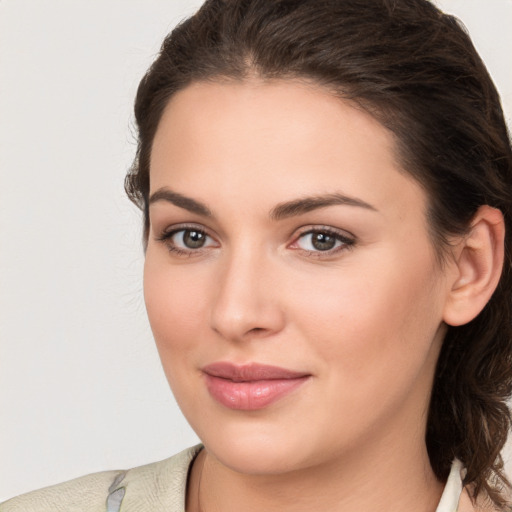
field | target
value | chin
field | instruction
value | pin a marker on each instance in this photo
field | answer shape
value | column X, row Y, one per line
column 258, row 446
column 260, row 457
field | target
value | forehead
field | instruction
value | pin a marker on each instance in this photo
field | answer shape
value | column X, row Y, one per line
column 267, row 140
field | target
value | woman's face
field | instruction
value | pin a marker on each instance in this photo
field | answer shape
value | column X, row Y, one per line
column 284, row 235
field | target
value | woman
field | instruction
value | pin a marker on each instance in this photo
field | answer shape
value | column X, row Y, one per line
column 327, row 196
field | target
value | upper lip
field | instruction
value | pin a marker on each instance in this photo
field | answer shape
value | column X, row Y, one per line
column 250, row 372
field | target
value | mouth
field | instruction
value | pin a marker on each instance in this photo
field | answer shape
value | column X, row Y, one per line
column 250, row 387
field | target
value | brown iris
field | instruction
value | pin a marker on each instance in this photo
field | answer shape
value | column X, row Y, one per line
column 322, row 241
column 193, row 239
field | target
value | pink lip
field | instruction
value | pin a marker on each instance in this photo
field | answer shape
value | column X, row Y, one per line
column 250, row 387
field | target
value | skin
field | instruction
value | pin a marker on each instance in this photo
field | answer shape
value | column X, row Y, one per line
column 365, row 320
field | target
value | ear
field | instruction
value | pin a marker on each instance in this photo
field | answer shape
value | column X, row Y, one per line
column 478, row 265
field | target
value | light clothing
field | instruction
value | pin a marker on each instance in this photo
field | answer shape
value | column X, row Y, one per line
column 160, row 487
column 156, row 487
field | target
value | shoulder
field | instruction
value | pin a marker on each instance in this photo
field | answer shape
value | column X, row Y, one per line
column 160, row 485
column 85, row 493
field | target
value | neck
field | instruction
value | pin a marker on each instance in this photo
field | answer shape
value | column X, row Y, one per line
column 394, row 481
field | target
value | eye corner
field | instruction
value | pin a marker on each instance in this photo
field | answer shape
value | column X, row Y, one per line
column 329, row 241
column 198, row 241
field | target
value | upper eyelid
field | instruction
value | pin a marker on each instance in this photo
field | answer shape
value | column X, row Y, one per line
column 347, row 239
column 315, row 228
column 166, row 236
column 175, row 228
column 293, row 237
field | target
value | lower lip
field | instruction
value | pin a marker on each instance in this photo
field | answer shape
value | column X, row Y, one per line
column 253, row 395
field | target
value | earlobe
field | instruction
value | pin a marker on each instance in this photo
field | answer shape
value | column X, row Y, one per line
column 479, row 263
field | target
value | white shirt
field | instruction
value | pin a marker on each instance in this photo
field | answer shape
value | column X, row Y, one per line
column 452, row 490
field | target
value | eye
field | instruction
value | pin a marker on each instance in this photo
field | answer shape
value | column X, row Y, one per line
column 322, row 241
column 187, row 240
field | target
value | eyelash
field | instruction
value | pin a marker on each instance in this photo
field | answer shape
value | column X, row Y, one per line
column 346, row 242
column 166, row 238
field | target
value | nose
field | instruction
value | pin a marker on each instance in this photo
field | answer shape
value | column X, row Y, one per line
column 246, row 304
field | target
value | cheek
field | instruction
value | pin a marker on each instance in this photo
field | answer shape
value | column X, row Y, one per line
column 373, row 323
column 175, row 301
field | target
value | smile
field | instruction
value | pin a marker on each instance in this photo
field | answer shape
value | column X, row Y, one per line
column 250, row 387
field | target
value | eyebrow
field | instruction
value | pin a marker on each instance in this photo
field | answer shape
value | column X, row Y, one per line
column 307, row 204
column 281, row 211
column 187, row 203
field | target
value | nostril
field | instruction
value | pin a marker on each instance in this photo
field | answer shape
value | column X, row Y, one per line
column 241, row 310
column 256, row 330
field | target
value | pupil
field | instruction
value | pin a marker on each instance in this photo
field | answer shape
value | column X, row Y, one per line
column 323, row 242
column 193, row 239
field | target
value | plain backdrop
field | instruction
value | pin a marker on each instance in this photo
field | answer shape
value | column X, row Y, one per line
column 81, row 387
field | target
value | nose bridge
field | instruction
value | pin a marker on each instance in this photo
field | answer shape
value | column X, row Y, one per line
column 244, row 303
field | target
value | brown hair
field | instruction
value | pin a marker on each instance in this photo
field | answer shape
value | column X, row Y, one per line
column 416, row 70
